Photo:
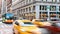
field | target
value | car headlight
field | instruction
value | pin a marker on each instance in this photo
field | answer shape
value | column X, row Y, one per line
column 22, row 30
column 11, row 20
column 6, row 20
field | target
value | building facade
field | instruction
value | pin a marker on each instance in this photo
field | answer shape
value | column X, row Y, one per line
column 0, row 7
column 37, row 9
column 9, row 4
column 6, row 5
column 3, row 7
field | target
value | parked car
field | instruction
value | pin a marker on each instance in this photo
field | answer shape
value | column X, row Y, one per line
column 25, row 27
column 41, row 22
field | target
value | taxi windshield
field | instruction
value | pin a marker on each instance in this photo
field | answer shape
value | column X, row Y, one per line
column 29, row 23
column 40, row 20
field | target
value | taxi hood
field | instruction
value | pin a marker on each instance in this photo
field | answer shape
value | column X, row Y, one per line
column 29, row 27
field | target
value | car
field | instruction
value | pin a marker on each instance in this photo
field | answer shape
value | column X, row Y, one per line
column 55, row 28
column 25, row 27
column 41, row 22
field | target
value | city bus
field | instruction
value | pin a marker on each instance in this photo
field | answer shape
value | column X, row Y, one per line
column 8, row 18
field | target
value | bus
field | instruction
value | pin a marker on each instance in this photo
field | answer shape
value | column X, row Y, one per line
column 8, row 18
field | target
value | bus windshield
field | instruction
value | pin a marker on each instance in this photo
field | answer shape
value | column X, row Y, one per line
column 8, row 16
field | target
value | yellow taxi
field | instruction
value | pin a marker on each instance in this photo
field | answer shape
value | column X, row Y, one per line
column 41, row 22
column 25, row 27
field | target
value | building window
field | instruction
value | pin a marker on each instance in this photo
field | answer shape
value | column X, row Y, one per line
column 42, row 7
column 29, row 8
column 26, row 1
column 44, row 0
column 29, row 0
column 23, row 10
column 53, row 0
column 59, row 8
column 33, row 7
column 26, row 9
column 52, row 8
column 49, row 0
column 53, row 14
column 59, row 0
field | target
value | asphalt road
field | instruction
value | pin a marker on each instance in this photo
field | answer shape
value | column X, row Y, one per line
column 6, row 28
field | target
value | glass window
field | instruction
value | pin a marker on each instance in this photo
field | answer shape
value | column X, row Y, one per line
column 27, row 22
column 42, row 7
column 23, row 10
column 53, row 0
column 54, row 19
column 29, row 8
column 49, row 0
column 26, row 1
column 33, row 7
column 59, row 0
column 53, row 14
column 44, row 0
column 58, row 24
column 59, row 8
column 29, row 0
column 16, row 23
column 42, row 20
column 52, row 8
column 26, row 9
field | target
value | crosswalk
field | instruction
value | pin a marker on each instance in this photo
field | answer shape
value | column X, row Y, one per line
column 6, row 28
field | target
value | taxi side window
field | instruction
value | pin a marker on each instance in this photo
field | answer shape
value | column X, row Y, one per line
column 37, row 20
column 17, row 23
